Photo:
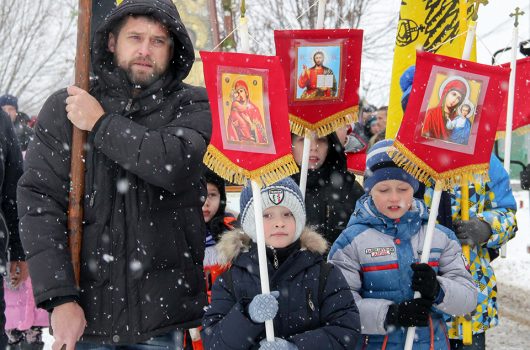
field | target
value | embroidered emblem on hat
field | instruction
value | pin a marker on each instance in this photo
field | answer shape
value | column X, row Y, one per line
column 276, row 195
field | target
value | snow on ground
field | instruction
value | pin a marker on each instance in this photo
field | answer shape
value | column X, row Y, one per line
column 515, row 268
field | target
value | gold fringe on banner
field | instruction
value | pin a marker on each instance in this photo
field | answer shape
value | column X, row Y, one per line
column 264, row 176
column 326, row 126
column 413, row 165
column 519, row 131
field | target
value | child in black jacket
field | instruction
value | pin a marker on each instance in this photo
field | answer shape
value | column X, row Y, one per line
column 312, row 306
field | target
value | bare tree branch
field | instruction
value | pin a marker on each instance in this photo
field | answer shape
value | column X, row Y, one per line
column 37, row 47
column 375, row 17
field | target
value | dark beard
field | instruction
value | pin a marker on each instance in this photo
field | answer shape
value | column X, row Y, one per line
column 142, row 81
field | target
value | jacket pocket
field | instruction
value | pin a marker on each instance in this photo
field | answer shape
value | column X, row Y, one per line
column 161, row 243
column 96, row 256
column 194, row 232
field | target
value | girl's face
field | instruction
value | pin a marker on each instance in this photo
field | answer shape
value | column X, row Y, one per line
column 393, row 198
column 318, row 151
column 279, row 226
column 453, row 99
column 211, row 205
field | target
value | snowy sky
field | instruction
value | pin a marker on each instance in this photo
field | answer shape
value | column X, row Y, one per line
column 494, row 32
column 495, row 28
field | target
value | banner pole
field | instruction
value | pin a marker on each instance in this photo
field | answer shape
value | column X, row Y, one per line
column 308, row 133
column 262, row 255
column 509, row 114
column 256, row 194
column 426, row 250
column 467, row 331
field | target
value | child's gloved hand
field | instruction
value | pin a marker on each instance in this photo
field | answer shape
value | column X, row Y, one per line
column 410, row 313
column 277, row 344
column 424, row 281
column 263, row 307
column 473, row 231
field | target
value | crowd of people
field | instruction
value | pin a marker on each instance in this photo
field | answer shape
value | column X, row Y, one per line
column 165, row 264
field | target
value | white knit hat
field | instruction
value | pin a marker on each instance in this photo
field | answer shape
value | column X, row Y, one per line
column 285, row 193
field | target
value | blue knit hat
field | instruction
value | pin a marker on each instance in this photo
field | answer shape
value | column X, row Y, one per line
column 380, row 167
column 9, row 100
column 284, row 193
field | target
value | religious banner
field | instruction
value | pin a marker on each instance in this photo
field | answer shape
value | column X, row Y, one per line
column 322, row 73
column 449, row 126
column 250, row 138
column 521, row 106
column 433, row 26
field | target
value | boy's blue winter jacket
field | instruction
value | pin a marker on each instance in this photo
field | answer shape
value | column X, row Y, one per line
column 375, row 253
column 310, row 322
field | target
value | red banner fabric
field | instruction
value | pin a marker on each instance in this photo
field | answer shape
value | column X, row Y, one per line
column 449, row 126
column 521, row 104
column 322, row 73
column 251, row 137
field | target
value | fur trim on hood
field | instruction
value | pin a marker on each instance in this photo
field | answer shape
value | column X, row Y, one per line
column 236, row 242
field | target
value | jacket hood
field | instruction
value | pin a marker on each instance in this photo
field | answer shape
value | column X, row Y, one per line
column 336, row 158
column 236, row 242
column 162, row 10
column 366, row 213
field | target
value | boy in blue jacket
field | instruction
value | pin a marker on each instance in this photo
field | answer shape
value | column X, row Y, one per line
column 379, row 251
column 312, row 306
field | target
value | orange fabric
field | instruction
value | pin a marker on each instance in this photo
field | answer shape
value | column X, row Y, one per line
column 228, row 221
column 197, row 345
column 384, row 343
column 210, row 274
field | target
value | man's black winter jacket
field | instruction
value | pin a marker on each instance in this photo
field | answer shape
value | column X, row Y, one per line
column 143, row 239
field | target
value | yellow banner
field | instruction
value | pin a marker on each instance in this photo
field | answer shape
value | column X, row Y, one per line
column 118, row 2
column 434, row 26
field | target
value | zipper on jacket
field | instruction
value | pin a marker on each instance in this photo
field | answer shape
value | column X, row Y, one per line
column 275, row 261
column 310, row 304
column 92, row 197
column 129, row 104
column 91, row 171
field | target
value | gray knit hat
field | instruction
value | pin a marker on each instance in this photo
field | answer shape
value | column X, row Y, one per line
column 284, row 193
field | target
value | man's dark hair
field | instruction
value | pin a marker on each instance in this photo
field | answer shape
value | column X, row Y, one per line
column 118, row 26
column 383, row 108
column 368, row 108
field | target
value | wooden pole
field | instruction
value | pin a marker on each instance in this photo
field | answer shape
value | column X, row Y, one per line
column 77, row 165
column 214, row 21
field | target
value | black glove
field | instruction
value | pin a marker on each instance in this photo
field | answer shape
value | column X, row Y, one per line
column 424, row 281
column 473, row 231
column 525, row 178
column 410, row 313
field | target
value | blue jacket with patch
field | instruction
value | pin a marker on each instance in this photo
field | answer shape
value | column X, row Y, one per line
column 375, row 253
